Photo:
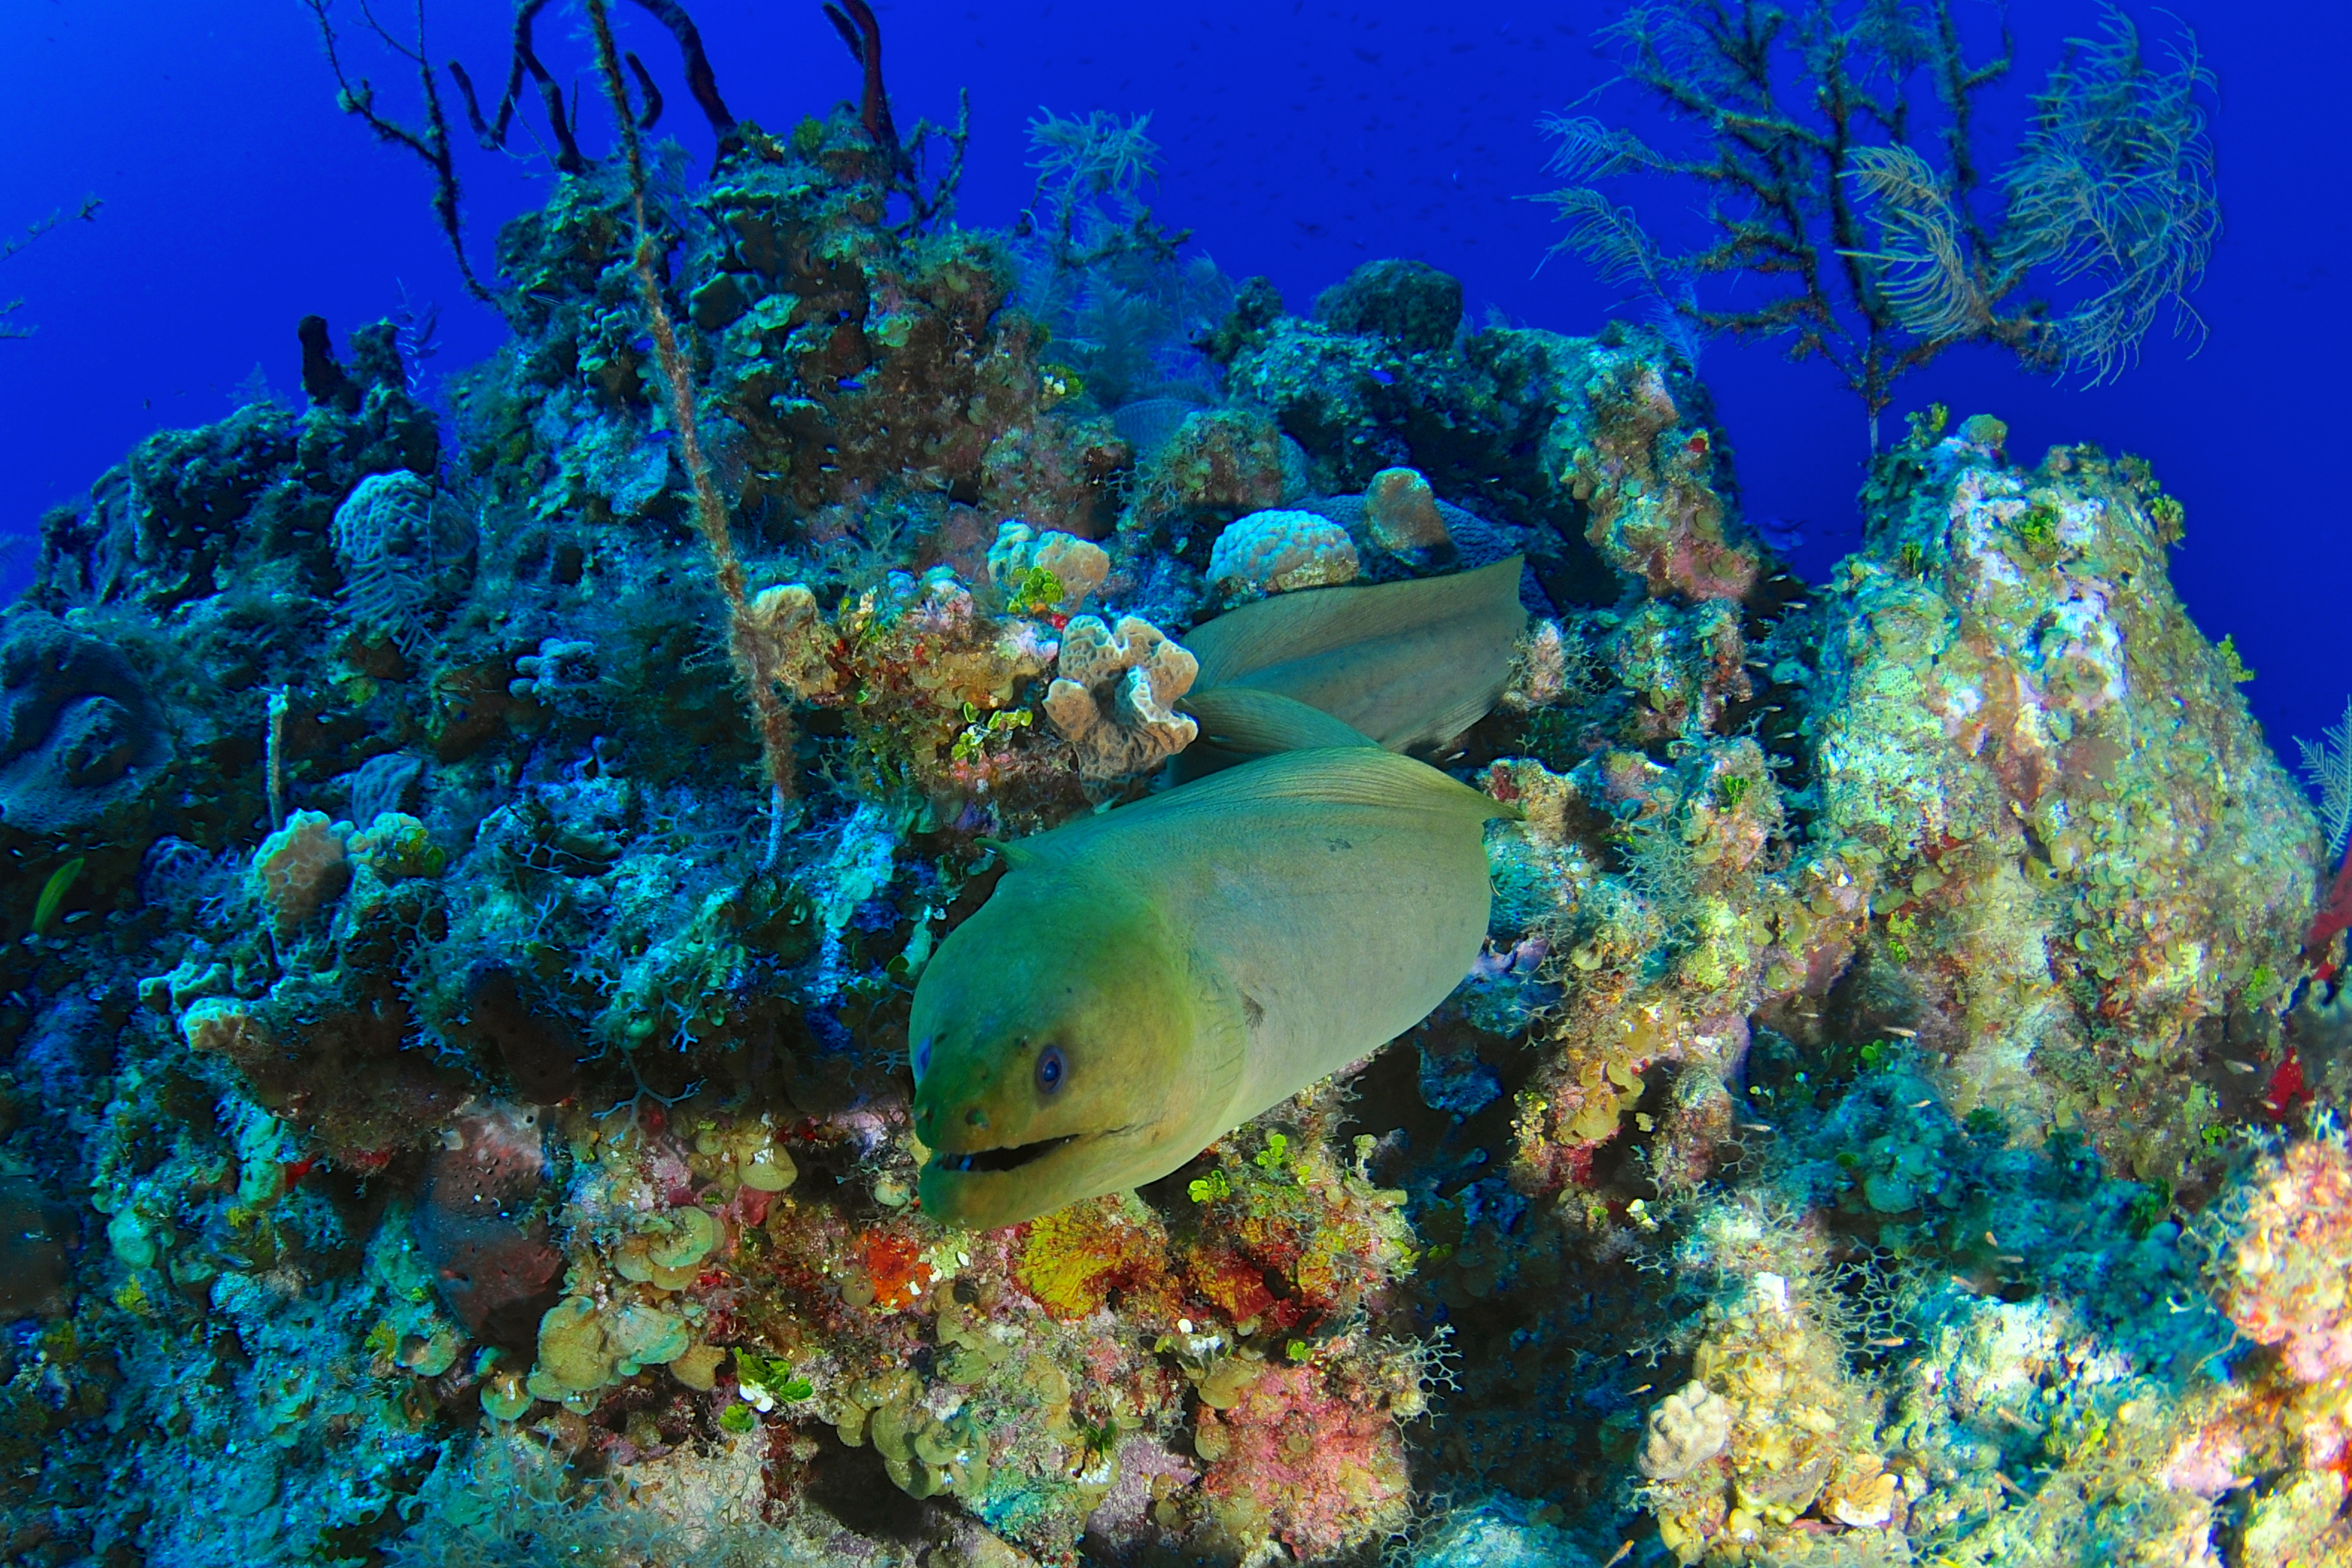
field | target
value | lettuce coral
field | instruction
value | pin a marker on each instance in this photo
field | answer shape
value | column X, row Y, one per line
column 1114, row 696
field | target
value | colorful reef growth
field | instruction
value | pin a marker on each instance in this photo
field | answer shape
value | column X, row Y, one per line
column 459, row 1105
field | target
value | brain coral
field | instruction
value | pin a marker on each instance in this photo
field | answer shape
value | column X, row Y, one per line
column 1274, row 552
column 77, row 731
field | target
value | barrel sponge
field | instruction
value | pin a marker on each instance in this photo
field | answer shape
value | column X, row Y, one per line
column 1274, row 552
column 1114, row 693
column 79, row 733
column 300, row 869
column 480, row 1228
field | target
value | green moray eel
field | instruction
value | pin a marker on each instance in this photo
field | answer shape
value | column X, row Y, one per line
column 1407, row 666
column 1142, row 982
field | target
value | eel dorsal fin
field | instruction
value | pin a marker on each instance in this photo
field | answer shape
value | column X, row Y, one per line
column 1403, row 664
column 1251, row 719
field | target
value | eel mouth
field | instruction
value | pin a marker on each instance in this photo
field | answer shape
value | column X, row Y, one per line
column 1006, row 1159
column 989, row 1189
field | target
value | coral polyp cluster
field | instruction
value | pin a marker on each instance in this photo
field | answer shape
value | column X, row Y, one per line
column 2282, row 1280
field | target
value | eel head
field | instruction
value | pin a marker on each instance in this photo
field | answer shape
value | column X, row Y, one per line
column 1059, row 1053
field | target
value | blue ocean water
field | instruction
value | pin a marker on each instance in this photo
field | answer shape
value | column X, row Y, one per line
column 1300, row 139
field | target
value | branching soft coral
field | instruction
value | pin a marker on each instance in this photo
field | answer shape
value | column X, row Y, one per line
column 2111, row 192
column 88, row 213
column 1098, row 268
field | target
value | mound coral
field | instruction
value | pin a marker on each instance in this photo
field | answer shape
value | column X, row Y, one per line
column 2059, row 788
column 1402, row 515
column 1218, row 465
column 1275, row 551
column 79, row 733
column 1770, row 1396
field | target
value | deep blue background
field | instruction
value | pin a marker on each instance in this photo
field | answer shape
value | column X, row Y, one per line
column 1300, row 139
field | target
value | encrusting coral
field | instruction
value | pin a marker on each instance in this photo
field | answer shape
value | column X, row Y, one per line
column 2281, row 1278
column 1055, row 572
column 299, row 869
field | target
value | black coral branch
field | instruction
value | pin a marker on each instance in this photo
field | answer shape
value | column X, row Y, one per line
column 1860, row 249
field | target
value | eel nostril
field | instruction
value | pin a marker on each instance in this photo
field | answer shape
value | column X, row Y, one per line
column 976, row 1116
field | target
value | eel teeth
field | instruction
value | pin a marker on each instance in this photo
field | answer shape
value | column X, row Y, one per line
column 1006, row 1159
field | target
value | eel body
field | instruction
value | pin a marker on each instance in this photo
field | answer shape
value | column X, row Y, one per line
column 1407, row 666
column 1142, row 982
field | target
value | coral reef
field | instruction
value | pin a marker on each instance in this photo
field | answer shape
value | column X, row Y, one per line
column 456, row 1103
column 2090, row 862
column 1607, row 444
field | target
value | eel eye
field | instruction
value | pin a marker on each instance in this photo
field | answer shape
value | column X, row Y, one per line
column 1051, row 1069
column 922, row 1054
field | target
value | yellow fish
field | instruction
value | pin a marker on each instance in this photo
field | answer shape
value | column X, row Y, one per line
column 1142, row 982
